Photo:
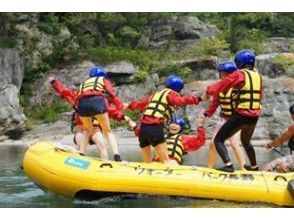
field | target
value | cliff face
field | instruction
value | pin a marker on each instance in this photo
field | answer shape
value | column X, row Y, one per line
column 172, row 35
column 11, row 76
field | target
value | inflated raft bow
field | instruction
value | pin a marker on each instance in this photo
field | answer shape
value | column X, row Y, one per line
column 70, row 174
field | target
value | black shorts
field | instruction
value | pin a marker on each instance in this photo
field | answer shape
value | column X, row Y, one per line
column 91, row 105
column 151, row 135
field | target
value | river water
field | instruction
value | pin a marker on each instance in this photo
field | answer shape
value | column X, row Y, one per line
column 16, row 190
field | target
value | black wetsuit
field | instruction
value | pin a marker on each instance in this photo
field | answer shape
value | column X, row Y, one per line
column 291, row 145
column 233, row 125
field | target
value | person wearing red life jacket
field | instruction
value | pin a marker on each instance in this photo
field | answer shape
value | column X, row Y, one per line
column 70, row 96
column 179, row 144
column 157, row 111
column 226, row 102
column 247, row 110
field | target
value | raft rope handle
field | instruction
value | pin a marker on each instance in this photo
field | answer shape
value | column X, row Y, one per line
column 106, row 164
column 68, row 150
column 276, row 150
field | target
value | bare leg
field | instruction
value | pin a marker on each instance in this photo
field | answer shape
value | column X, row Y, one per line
column 84, row 141
column 99, row 141
column 212, row 155
column 234, row 142
column 112, row 142
column 78, row 135
column 146, row 154
column 103, row 121
column 161, row 151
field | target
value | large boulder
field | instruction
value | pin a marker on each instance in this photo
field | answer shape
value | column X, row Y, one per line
column 70, row 76
column 11, row 68
column 129, row 93
column 278, row 45
column 37, row 40
column 121, row 72
column 11, row 75
column 276, row 64
column 176, row 34
column 203, row 68
column 192, row 28
column 73, row 76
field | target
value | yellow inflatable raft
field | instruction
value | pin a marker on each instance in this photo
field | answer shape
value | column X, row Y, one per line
column 73, row 175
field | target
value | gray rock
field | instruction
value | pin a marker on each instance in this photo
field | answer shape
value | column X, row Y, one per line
column 268, row 66
column 176, row 34
column 121, row 72
column 202, row 68
column 121, row 67
column 11, row 68
column 12, row 118
column 162, row 29
column 11, row 75
column 129, row 93
column 278, row 45
column 193, row 28
column 71, row 77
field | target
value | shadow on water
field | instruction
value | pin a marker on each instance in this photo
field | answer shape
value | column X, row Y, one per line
column 17, row 191
column 147, row 201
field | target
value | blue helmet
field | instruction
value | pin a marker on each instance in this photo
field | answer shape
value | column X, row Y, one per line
column 178, row 120
column 175, row 83
column 97, row 71
column 244, row 57
column 227, row 67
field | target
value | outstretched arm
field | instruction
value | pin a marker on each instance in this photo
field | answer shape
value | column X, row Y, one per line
column 139, row 104
column 212, row 107
column 235, row 79
column 194, row 142
column 287, row 135
column 175, row 99
column 67, row 94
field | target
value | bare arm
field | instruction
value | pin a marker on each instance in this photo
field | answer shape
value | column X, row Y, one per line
column 287, row 135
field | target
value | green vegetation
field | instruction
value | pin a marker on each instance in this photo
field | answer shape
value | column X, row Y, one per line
column 105, row 55
column 210, row 47
column 48, row 114
column 140, row 76
column 176, row 69
column 108, row 37
column 7, row 42
column 284, row 60
column 134, row 115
